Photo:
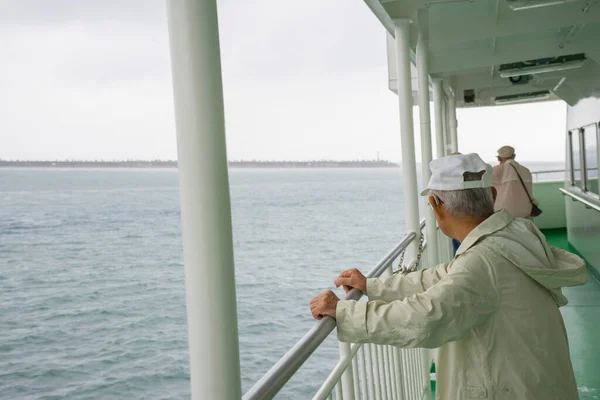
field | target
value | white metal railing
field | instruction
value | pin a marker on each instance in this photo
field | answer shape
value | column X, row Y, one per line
column 364, row 371
column 380, row 372
column 580, row 198
column 550, row 175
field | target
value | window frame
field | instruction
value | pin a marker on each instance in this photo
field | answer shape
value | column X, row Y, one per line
column 586, row 187
column 573, row 181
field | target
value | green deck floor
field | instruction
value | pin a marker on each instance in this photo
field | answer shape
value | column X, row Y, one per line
column 582, row 318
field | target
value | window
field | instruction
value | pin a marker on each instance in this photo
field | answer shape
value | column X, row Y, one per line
column 590, row 160
column 575, row 157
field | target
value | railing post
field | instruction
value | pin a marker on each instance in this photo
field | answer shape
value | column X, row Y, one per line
column 426, row 356
column 348, row 375
column 388, row 372
column 370, row 365
column 409, row 168
column 339, row 394
column 399, row 373
column 362, row 361
column 205, row 203
column 426, row 151
column 375, row 372
column 356, row 377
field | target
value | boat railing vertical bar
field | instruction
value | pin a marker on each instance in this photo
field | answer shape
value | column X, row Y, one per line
column 347, row 353
column 205, row 202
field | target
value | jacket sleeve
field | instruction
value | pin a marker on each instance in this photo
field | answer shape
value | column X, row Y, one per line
column 398, row 287
column 444, row 313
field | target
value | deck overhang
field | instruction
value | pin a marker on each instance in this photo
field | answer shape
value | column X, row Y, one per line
column 470, row 42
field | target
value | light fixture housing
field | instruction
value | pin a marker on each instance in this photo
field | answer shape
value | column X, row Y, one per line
column 518, row 5
column 522, row 97
column 542, row 65
column 542, row 69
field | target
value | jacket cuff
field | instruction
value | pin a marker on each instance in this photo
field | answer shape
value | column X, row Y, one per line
column 374, row 288
column 351, row 318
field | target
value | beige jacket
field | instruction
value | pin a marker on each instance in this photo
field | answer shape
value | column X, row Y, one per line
column 493, row 311
column 511, row 195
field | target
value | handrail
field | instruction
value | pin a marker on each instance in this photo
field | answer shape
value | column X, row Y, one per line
column 538, row 176
column 577, row 197
column 548, row 171
column 272, row 382
column 343, row 363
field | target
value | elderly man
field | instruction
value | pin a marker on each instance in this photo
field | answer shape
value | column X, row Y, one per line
column 513, row 183
column 492, row 310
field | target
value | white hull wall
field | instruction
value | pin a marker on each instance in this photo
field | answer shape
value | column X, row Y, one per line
column 552, row 203
column 583, row 224
column 584, row 231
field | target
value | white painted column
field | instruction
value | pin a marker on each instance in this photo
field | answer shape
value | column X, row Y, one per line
column 438, row 104
column 453, row 123
column 426, row 151
column 446, row 126
column 205, row 204
column 409, row 168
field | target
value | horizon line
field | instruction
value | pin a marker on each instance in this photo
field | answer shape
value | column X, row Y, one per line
column 229, row 161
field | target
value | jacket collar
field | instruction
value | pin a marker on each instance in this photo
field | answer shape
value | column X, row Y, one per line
column 497, row 221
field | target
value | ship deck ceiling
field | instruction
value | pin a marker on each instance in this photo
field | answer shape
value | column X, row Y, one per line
column 469, row 40
column 582, row 319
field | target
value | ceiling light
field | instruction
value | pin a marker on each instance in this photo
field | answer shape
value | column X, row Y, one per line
column 522, row 98
column 541, row 69
column 528, row 4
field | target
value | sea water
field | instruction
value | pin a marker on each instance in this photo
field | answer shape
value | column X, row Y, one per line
column 92, row 301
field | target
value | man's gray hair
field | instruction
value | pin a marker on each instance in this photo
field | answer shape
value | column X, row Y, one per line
column 478, row 202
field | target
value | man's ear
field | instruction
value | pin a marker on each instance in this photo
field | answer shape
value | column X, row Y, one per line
column 437, row 208
column 494, row 193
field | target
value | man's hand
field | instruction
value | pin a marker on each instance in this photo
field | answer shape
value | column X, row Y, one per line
column 352, row 279
column 324, row 305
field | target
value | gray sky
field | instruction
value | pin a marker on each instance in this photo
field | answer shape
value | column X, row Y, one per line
column 302, row 80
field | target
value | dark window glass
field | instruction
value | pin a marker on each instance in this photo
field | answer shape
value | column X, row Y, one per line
column 575, row 158
column 590, row 151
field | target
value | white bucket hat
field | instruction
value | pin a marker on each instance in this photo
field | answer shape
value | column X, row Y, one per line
column 447, row 173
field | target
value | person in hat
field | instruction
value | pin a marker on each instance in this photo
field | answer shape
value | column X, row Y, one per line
column 514, row 195
column 493, row 310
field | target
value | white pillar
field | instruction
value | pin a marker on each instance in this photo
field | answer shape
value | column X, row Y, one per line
column 438, row 103
column 205, row 204
column 446, row 127
column 426, row 151
column 453, row 123
column 409, row 168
